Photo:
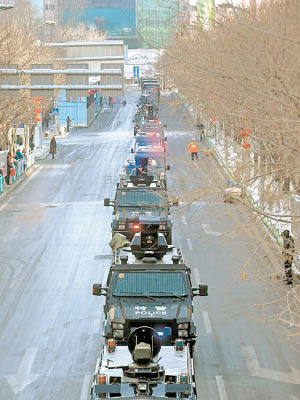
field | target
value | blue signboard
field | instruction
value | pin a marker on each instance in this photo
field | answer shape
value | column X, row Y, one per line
column 55, row 111
column 136, row 71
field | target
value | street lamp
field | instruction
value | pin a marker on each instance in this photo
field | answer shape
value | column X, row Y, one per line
column 6, row 4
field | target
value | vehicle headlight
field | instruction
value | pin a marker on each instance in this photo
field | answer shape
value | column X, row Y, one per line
column 183, row 333
column 121, row 225
column 116, row 325
column 162, row 226
column 183, row 326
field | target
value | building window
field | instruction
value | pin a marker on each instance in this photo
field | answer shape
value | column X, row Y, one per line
column 49, row 7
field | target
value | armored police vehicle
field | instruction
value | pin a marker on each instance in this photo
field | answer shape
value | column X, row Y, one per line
column 145, row 369
column 148, row 139
column 156, row 159
column 150, row 284
column 153, row 126
column 141, row 205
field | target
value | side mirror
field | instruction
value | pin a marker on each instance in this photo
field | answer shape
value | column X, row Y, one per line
column 106, row 202
column 166, row 138
column 131, row 150
column 98, row 290
column 202, row 290
column 168, row 167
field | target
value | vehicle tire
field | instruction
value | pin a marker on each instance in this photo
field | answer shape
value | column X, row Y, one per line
column 169, row 238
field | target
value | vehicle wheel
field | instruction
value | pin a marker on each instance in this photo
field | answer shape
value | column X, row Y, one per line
column 169, row 238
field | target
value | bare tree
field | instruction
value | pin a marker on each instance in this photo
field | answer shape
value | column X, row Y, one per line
column 243, row 73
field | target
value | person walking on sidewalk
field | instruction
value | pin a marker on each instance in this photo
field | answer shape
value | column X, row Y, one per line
column 200, row 128
column 9, row 167
column 193, row 149
column 288, row 255
column 69, row 121
column 112, row 100
column 53, row 146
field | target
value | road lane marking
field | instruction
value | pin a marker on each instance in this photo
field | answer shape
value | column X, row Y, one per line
column 85, row 387
column 189, row 243
column 23, row 377
column 207, row 229
column 221, row 387
column 207, row 322
column 183, row 219
column 259, row 372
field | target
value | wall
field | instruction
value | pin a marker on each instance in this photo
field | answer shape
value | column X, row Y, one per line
column 74, row 107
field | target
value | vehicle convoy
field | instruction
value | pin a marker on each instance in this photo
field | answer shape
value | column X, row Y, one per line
column 145, row 369
column 149, row 326
column 141, row 205
column 149, row 284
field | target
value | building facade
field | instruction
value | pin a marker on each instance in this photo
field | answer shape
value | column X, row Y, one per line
column 156, row 21
column 51, row 11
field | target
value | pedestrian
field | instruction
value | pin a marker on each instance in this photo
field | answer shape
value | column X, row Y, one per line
column 112, row 100
column 19, row 155
column 68, row 123
column 9, row 167
column 193, row 149
column 288, row 255
column 109, row 101
column 24, row 160
column 53, row 146
column 200, row 127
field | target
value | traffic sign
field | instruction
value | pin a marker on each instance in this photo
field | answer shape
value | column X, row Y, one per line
column 136, row 71
column 55, row 111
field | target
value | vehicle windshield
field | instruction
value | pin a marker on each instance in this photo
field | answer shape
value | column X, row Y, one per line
column 154, row 284
column 146, row 140
column 141, row 198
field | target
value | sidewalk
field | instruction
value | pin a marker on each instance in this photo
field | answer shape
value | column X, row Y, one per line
column 9, row 188
column 233, row 159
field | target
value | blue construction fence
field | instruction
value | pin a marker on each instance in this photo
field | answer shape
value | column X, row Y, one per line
column 81, row 110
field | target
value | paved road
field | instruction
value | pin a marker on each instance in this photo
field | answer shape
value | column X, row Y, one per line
column 55, row 232
column 54, row 246
column 227, row 249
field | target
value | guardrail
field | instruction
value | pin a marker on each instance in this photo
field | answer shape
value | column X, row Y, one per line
column 30, row 160
column 18, row 170
column 1, row 183
column 20, row 167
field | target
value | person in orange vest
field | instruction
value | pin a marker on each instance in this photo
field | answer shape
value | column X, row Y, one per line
column 193, row 149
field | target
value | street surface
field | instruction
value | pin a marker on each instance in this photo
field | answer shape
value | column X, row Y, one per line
column 55, row 233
